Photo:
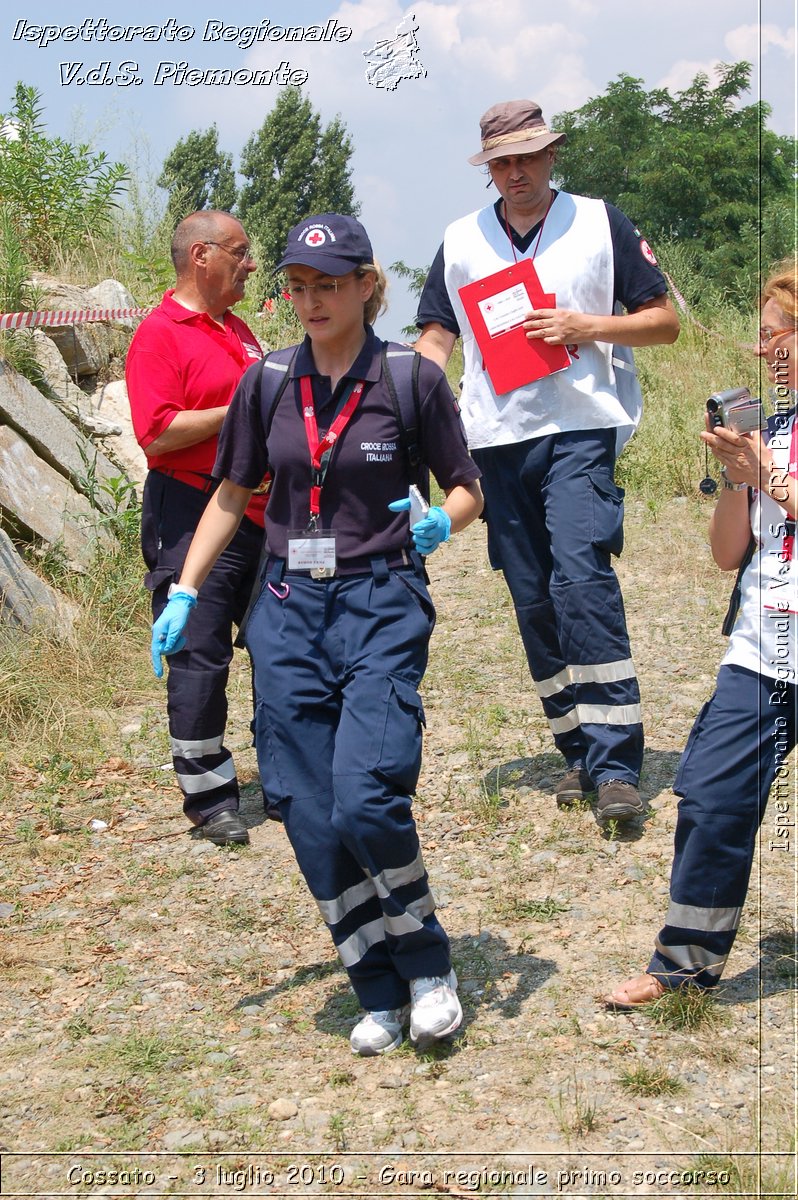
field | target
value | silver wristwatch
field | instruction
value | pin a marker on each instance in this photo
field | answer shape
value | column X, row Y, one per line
column 728, row 485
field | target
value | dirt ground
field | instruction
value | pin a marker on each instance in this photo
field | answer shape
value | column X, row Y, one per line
column 174, row 1020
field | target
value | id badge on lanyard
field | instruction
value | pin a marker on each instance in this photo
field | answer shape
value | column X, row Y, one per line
column 313, row 549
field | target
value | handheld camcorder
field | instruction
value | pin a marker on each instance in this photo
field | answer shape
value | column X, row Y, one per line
column 736, row 409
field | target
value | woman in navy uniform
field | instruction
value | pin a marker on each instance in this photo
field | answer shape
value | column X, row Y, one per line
column 744, row 734
column 340, row 631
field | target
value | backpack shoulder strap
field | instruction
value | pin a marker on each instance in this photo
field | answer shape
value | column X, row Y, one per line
column 400, row 368
column 274, row 374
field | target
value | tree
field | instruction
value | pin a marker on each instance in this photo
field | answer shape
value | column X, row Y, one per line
column 58, row 195
column 197, row 174
column 293, row 167
column 698, row 167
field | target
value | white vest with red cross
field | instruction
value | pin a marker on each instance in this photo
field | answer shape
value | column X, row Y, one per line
column 574, row 260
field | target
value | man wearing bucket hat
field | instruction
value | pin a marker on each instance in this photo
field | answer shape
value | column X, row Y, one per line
column 547, row 449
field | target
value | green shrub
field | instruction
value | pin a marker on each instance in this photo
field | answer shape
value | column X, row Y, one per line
column 60, row 195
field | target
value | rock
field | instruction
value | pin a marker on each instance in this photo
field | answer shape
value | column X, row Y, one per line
column 218, row 1139
column 315, row 1118
column 55, row 371
column 176, row 1139
column 110, row 402
column 229, row 1104
column 282, row 1110
column 71, row 399
column 82, row 347
column 87, row 348
column 40, row 503
column 52, row 436
column 6, row 910
column 110, row 293
column 28, row 601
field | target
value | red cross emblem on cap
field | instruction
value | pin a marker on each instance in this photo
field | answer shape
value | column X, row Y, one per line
column 316, row 238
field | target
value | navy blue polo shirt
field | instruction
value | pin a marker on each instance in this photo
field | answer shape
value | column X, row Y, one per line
column 637, row 279
column 368, row 467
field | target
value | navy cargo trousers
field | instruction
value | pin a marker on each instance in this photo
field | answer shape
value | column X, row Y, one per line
column 338, row 729
column 196, row 685
column 735, row 752
column 555, row 517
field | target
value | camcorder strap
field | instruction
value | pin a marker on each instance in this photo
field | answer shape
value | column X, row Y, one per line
column 737, row 591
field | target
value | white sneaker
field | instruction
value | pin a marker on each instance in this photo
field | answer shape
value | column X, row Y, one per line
column 379, row 1032
column 435, row 1010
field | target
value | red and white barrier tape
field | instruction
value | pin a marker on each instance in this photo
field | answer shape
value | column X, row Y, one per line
column 28, row 320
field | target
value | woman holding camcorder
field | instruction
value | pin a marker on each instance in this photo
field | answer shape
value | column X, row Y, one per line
column 743, row 735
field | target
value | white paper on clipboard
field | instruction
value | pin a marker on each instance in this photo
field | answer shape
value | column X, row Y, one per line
column 505, row 310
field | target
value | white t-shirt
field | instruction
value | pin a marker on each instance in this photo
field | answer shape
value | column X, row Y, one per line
column 764, row 636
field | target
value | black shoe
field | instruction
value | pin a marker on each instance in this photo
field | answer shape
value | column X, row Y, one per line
column 618, row 801
column 575, row 785
column 225, row 829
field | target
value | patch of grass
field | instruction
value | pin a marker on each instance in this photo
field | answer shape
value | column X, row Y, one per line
column 725, row 1170
column 577, row 1112
column 338, row 1130
column 79, row 1027
column 55, row 711
column 238, row 917
column 486, row 804
column 126, row 1099
column 340, row 1078
column 687, row 1007
column 117, row 975
column 515, row 909
column 143, row 1053
column 434, row 1058
column 611, row 830
column 28, row 834
column 650, row 1081
column 74, row 1142
column 782, row 946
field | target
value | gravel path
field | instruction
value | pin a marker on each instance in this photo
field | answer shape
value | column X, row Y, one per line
column 173, row 1012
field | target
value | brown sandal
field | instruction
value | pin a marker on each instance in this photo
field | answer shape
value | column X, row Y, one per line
column 635, row 993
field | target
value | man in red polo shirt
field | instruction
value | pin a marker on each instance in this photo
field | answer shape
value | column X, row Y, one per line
column 182, row 368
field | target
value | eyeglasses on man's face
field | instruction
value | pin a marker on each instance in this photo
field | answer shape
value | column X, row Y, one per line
column 767, row 335
column 242, row 254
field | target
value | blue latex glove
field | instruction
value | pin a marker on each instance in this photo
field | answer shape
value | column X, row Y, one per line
column 167, row 631
column 431, row 530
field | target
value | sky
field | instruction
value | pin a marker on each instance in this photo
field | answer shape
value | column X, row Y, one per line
column 410, row 144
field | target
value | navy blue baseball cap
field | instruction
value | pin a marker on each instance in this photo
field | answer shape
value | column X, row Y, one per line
column 329, row 242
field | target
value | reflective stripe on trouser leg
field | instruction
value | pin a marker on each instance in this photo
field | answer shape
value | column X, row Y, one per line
column 339, row 739
column 204, row 768
column 738, row 740
column 551, row 678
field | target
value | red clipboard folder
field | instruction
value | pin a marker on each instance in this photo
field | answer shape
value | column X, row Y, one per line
column 511, row 358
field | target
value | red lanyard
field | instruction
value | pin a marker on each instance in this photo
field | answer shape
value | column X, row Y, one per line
column 320, row 450
column 788, row 547
column 540, row 231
